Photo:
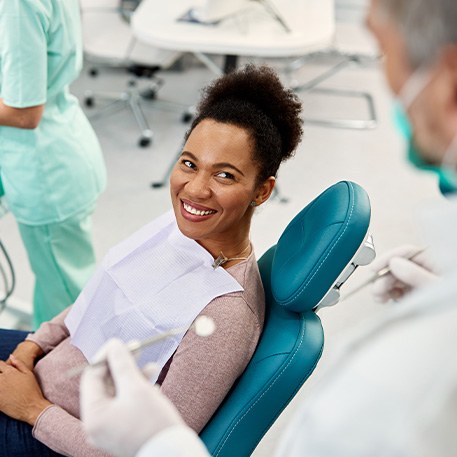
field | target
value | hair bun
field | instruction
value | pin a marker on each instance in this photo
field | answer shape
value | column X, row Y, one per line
column 261, row 87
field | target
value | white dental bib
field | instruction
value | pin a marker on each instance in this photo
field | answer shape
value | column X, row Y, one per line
column 154, row 281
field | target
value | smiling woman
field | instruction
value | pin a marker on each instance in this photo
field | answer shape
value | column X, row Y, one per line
column 213, row 186
column 246, row 125
column 194, row 260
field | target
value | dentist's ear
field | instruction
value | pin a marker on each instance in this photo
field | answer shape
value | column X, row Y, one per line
column 450, row 64
column 264, row 190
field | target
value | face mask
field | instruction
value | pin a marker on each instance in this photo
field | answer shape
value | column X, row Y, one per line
column 447, row 177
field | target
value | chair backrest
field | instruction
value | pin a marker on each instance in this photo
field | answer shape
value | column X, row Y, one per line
column 297, row 273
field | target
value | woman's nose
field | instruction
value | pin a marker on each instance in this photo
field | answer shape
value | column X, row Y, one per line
column 199, row 186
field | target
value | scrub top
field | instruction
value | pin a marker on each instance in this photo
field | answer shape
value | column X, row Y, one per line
column 56, row 170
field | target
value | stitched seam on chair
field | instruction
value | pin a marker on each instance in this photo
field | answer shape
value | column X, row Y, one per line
column 266, row 391
column 292, row 395
column 323, row 260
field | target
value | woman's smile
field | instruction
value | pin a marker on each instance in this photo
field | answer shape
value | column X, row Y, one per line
column 194, row 212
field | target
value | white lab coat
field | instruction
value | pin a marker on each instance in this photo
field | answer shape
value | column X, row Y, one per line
column 390, row 392
column 393, row 391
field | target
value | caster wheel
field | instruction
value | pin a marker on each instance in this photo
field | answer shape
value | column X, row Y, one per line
column 144, row 142
column 93, row 72
column 89, row 102
column 149, row 94
column 186, row 117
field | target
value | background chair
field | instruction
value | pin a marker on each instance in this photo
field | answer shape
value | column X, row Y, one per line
column 108, row 42
column 317, row 252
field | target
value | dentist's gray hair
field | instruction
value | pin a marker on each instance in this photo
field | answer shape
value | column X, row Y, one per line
column 427, row 26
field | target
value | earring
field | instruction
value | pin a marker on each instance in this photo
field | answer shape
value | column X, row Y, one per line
column 253, row 203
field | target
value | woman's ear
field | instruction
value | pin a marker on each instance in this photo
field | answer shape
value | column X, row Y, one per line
column 264, row 190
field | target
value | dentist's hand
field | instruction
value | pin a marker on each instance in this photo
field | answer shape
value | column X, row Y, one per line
column 405, row 275
column 121, row 409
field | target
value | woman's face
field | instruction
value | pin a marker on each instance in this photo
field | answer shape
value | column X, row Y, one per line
column 213, row 184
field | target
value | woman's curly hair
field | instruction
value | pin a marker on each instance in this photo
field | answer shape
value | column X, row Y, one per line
column 254, row 98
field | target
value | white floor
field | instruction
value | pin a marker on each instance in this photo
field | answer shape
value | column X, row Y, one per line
column 374, row 159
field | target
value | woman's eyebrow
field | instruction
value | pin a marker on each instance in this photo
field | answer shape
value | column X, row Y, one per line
column 216, row 165
column 187, row 153
column 228, row 165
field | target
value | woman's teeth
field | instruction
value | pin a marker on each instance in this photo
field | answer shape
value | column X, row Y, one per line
column 197, row 212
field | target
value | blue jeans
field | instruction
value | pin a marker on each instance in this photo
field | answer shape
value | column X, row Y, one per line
column 16, row 438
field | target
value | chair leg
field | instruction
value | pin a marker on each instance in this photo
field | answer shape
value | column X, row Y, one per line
column 166, row 176
column 146, row 132
column 311, row 86
column 356, row 124
column 130, row 99
column 277, row 195
column 106, row 110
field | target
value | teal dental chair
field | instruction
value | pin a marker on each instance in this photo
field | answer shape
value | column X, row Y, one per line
column 304, row 271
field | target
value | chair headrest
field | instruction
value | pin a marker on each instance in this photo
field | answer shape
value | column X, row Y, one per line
column 318, row 244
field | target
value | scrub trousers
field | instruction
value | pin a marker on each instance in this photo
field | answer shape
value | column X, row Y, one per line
column 16, row 438
column 62, row 258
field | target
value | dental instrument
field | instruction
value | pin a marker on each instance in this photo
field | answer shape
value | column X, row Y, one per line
column 381, row 273
column 203, row 326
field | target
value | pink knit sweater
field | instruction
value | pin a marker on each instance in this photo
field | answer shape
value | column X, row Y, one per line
column 196, row 380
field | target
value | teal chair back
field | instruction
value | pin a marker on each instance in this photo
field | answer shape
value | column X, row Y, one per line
column 297, row 274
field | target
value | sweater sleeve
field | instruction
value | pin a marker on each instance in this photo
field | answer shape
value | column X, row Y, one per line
column 203, row 370
column 64, row 434
column 51, row 333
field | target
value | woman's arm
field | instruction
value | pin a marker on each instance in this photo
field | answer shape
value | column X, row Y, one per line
column 46, row 338
column 64, row 433
column 203, row 370
column 22, row 399
column 50, row 333
column 20, row 394
column 22, row 118
column 27, row 352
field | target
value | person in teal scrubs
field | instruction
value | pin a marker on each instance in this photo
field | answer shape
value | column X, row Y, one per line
column 51, row 164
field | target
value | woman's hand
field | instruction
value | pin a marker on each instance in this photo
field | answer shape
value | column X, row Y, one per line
column 20, row 395
column 27, row 352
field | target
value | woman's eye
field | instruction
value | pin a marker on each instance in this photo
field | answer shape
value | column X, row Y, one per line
column 226, row 175
column 188, row 164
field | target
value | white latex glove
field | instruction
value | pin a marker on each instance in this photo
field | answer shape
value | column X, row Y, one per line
column 405, row 275
column 121, row 409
